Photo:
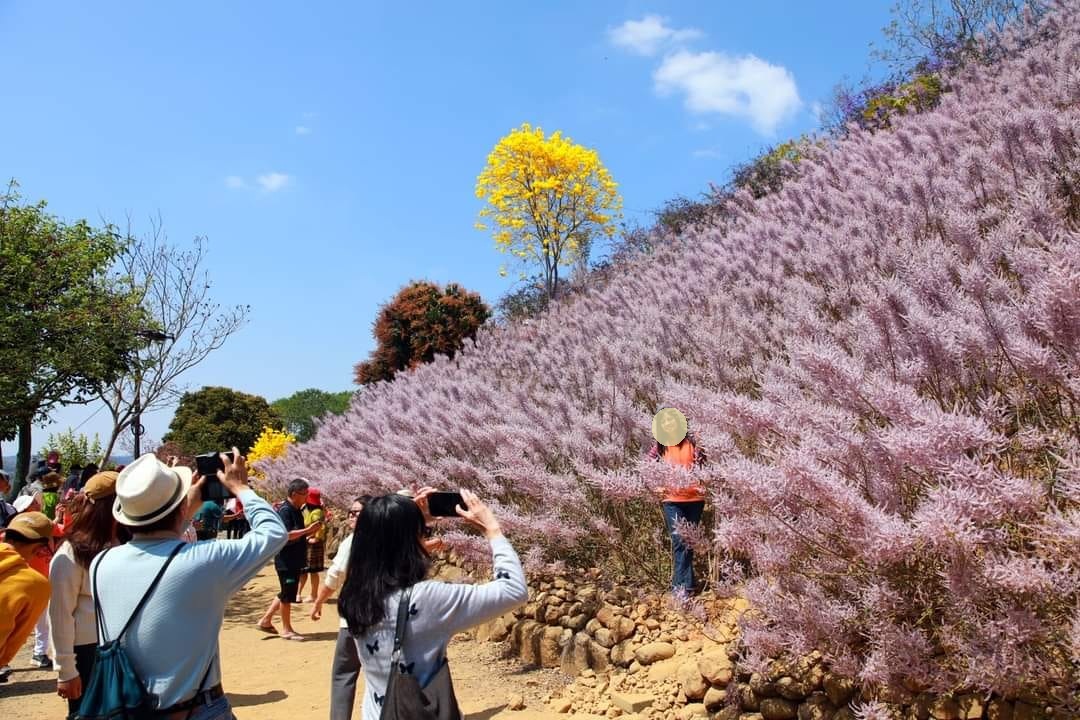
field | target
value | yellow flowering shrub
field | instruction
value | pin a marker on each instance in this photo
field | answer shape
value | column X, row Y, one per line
column 271, row 443
column 546, row 199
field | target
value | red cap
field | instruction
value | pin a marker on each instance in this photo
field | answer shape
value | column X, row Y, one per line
column 314, row 497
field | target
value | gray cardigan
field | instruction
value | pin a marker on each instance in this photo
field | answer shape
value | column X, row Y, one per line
column 439, row 610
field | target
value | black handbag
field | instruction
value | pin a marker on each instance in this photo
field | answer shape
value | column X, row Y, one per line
column 405, row 699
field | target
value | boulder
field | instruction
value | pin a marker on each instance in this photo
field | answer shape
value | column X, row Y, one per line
column 817, row 707
column 561, row 705
column 575, row 658
column 516, row 702
column 691, row 682
column 748, row 700
column 653, row 652
column 630, row 703
column 599, row 656
column 622, row 654
column 550, row 651
column 838, row 688
column 716, row 668
column 791, row 689
column 604, row 637
column 778, row 709
column 574, row 622
column 693, row 710
column 607, row 617
column 714, row 699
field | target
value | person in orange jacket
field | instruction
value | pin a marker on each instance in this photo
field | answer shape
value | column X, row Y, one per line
column 24, row 591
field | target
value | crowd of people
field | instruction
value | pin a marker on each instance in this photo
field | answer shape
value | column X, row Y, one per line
column 122, row 578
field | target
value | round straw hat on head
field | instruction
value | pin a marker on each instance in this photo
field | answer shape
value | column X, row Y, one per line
column 148, row 490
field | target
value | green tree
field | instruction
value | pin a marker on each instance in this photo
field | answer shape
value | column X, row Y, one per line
column 299, row 410
column 217, row 418
column 68, row 325
column 74, row 449
column 423, row 320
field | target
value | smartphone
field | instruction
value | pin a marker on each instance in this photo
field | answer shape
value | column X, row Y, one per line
column 443, row 504
column 208, row 464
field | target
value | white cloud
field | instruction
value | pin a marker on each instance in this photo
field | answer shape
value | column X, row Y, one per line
column 303, row 130
column 272, row 182
column 649, row 34
column 818, row 111
column 745, row 86
column 235, row 182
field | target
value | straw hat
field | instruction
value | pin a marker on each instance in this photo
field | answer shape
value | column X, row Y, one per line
column 148, row 490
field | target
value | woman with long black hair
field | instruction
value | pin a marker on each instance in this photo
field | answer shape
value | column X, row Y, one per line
column 391, row 531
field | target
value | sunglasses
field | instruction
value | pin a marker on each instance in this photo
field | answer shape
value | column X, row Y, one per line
column 354, row 513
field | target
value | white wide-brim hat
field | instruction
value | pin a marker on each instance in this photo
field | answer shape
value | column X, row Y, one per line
column 148, row 490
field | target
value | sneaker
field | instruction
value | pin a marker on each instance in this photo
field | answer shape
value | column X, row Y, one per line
column 42, row 662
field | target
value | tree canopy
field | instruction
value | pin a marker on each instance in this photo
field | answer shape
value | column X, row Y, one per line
column 423, row 320
column 300, row 410
column 217, row 418
column 69, row 325
column 547, row 199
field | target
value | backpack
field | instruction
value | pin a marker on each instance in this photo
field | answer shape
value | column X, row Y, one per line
column 405, row 699
column 115, row 691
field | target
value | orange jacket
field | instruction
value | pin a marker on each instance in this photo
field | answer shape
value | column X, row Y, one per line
column 24, row 595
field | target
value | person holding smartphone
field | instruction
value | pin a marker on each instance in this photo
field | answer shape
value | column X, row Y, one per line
column 290, row 562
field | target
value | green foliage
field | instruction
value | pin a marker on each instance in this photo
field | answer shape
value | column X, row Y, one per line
column 217, row 418
column 299, row 410
column 74, row 449
column 423, row 320
column 922, row 93
column 67, row 325
column 767, row 172
column 528, row 300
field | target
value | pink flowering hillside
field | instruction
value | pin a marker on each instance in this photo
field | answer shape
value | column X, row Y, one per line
column 883, row 360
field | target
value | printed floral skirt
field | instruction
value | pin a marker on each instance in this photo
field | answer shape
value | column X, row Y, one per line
column 316, row 561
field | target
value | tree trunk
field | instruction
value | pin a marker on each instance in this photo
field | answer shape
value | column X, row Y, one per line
column 22, row 464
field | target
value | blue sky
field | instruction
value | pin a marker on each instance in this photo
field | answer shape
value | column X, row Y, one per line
column 328, row 151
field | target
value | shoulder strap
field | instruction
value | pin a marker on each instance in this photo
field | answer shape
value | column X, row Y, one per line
column 399, row 628
column 142, row 601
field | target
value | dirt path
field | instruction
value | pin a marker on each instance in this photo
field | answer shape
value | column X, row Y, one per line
column 268, row 678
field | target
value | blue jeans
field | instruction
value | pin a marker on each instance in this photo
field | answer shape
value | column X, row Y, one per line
column 682, row 575
column 217, row 710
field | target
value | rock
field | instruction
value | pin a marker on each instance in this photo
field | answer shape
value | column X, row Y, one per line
column 561, row 705
column 791, row 689
column 838, row 688
column 619, row 596
column 592, row 626
column 516, row 702
column 1027, row 711
column 599, row 656
column 635, row 667
column 945, row 708
column 999, row 710
column 550, row 655
column 693, row 710
column 747, row 699
column 604, row 637
column 648, row 654
column 730, row 712
column 576, row 658
column 574, row 622
column 624, row 629
column 693, row 685
column 778, row 709
column 761, row 686
column 817, row 707
column 971, row 707
column 622, row 654
column 665, row 672
column 652, row 624
column 714, row 699
column 607, row 617
column 716, row 668
column 630, row 703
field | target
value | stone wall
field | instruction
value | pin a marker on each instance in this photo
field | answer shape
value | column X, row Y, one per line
column 634, row 657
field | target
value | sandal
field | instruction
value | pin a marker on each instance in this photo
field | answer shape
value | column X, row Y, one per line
column 293, row 636
column 268, row 629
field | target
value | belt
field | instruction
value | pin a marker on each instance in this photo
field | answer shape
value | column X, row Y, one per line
column 180, row 710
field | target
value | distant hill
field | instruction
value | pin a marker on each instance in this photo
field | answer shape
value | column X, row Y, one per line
column 9, row 461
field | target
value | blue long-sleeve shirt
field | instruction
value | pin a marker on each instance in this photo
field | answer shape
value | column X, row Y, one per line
column 175, row 637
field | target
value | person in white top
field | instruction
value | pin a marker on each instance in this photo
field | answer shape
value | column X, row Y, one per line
column 394, row 559
column 345, row 669
column 72, row 623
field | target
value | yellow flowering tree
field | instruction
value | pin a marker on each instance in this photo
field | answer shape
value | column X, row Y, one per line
column 271, row 443
column 546, row 200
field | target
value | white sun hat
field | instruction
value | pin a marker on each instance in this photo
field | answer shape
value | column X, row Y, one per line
column 148, row 490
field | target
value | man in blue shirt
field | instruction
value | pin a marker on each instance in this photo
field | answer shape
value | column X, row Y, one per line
column 208, row 520
column 173, row 641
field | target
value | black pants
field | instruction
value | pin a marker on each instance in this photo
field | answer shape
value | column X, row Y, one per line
column 84, row 664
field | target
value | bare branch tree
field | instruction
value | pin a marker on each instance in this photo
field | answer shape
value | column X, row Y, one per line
column 175, row 289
